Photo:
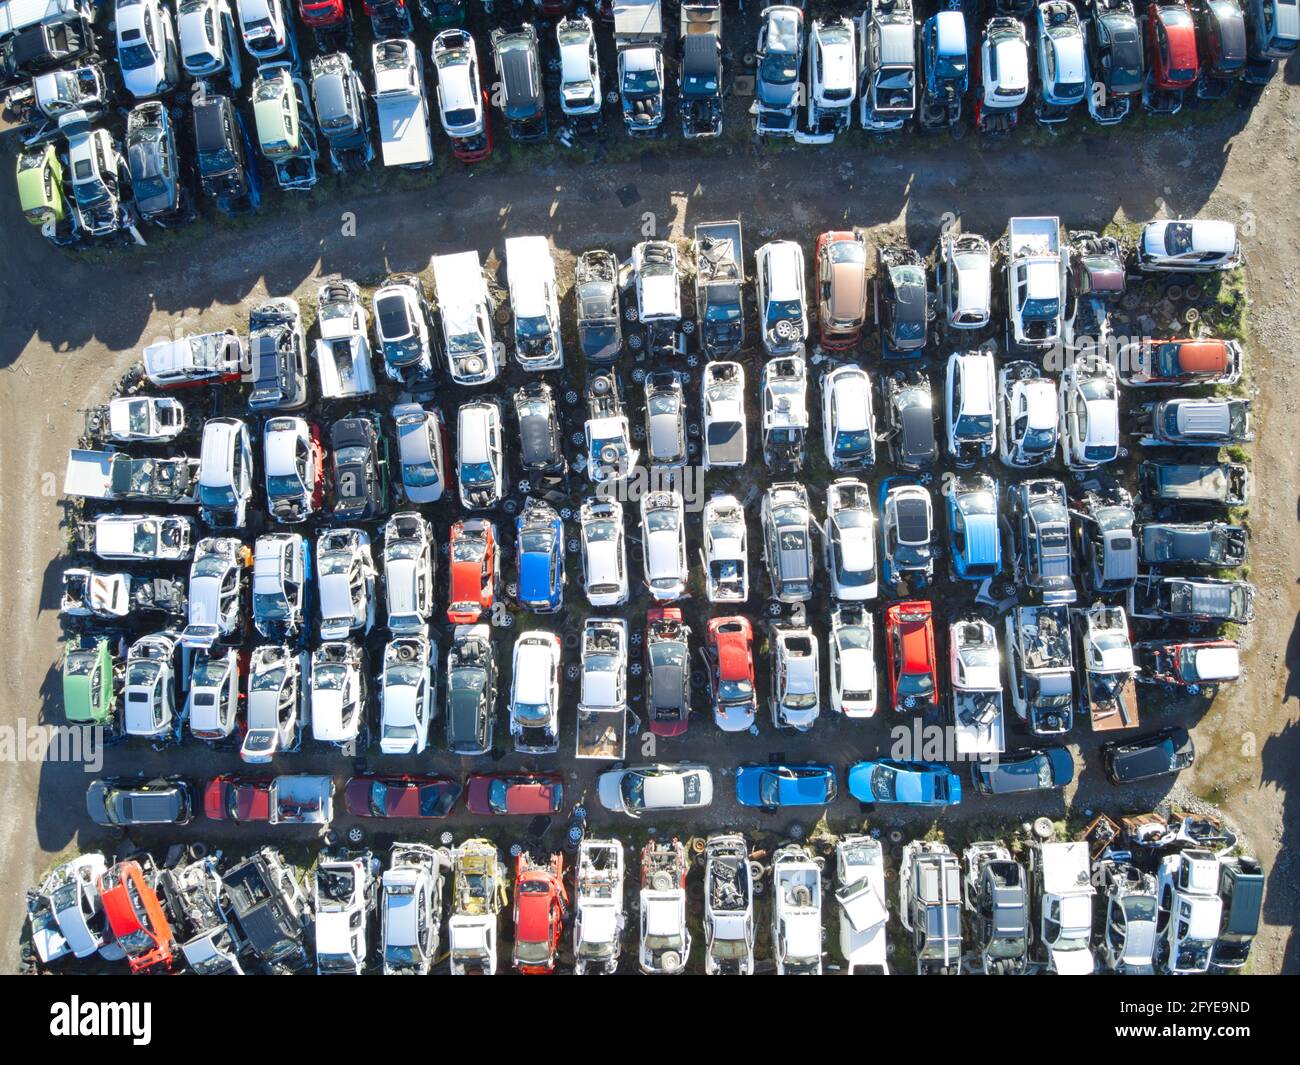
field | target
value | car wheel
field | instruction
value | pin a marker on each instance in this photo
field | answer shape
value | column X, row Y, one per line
column 356, row 835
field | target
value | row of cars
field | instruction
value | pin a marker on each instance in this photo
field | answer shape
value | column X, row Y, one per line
column 78, row 179
column 1101, row 56
column 1168, row 904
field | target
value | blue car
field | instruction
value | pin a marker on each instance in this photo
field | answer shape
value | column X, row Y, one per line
column 773, row 786
column 904, row 783
column 973, row 531
column 539, row 539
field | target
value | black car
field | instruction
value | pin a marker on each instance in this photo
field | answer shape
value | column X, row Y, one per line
column 223, row 149
column 539, row 430
column 1209, row 543
column 154, row 163
column 1027, row 770
column 909, row 420
column 123, row 801
column 902, row 302
column 1039, row 516
column 1115, row 52
column 45, row 46
column 600, row 330
column 471, row 694
column 699, row 85
column 360, row 468
column 1145, row 757
column 1221, row 46
column 520, row 71
column 278, row 354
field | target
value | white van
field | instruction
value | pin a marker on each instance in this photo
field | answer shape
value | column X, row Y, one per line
column 465, row 309
column 535, row 303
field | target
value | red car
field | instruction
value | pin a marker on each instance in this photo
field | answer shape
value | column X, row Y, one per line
column 729, row 644
column 473, row 570
column 400, row 795
column 841, row 288
column 514, row 793
column 235, row 798
column 1171, row 40
column 668, row 670
column 909, row 648
column 541, row 906
column 137, row 919
column 322, row 14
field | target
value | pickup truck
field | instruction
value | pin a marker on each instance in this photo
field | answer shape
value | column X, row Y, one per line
column 116, row 475
column 1035, row 282
column 719, row 286
column 401, row 105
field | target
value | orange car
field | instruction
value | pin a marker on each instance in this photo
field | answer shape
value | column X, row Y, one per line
column 841, row 288
column 136, row 917
column 473, row 570
column 541, row 907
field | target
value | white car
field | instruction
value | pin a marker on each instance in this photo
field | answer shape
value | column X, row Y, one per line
column 294, row 462
column 787, row 522
column 782, row 297
column 149, row 692
column 726, row 550
column 579, row 67
column 850, row 541
column 970, row 408
column 610, row 455
column 212, row 703
column 264, row 27
column 604, row 552
column 796, row 693
column 208, row 40
column 225, row 473
column 346, row 583
column 603, row 670
column 1088, row 409
column 1027, row 417
column 725, row 442
column 419, row 450
column 796, row 912
column 535, row 693
column 277, row 708
column 144, row 419
column 280, row 568
column 1004, row 64
column 639, row 789
column 409, row 574
column 216, row 591
column 146, row 47
column 137, row 537
column 407, row 694
column 1197, row 245
column 663, row 544
column 848, row 421
column 479, row 467
column 785, row 410
column 864, row 911
column 535, row 303
column 964, row 276
column 460, row 89
column 853, row 661
column 208, row 358
column 338, row 693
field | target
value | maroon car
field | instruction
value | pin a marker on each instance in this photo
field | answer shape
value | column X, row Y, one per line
column 514, row 793
column 408, row 795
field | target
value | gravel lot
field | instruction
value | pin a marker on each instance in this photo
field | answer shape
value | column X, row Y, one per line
column 70, row 327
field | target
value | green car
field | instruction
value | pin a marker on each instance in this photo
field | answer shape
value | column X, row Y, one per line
column 89, row 681
column 40, row 186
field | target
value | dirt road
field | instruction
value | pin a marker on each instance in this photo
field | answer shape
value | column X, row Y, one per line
column 69, row 328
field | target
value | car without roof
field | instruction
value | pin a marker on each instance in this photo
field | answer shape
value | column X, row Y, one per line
column 910, row 655
column 473, row 570
column 726, row 551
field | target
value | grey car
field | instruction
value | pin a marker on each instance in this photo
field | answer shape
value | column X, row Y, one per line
column 154, row 164
column 124, row 801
